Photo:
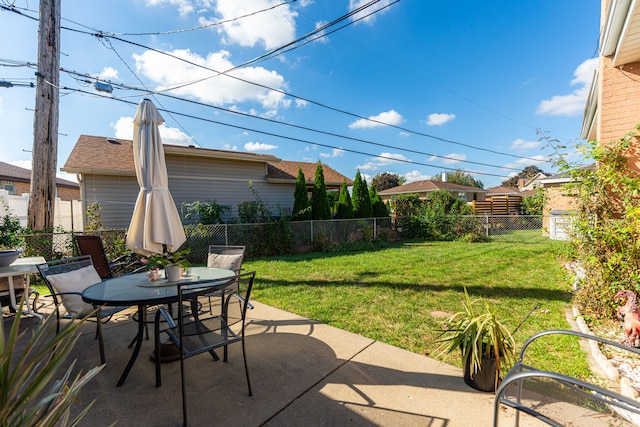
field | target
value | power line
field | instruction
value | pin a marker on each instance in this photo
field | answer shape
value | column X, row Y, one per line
column 102, row 34
column 290, row 138
column 305, row 128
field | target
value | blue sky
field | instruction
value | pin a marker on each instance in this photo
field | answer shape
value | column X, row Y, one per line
column 465, row 85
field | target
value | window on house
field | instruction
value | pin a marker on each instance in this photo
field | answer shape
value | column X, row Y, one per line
column 462, row 196
column 9, row 186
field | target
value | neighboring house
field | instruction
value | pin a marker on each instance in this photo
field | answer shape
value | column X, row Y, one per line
column 502, row 191
column 423, row 188
column 17, row 181
column 106, row 173
column 613, row 105
column 558, row 203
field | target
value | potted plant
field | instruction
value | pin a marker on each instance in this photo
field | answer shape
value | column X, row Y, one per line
column 486, row 344
column 173, row 264
column 9, row 240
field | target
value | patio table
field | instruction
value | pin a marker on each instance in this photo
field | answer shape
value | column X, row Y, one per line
column 21, row 267
column 138, row 290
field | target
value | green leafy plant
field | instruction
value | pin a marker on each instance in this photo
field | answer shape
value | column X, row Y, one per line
column 606, row 223
column 9, row 229
column 478, row 333
column 173, row 258
column 32, row 392
column 207, row 211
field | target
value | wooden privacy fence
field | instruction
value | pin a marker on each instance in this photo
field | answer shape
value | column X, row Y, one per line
column 503, row 205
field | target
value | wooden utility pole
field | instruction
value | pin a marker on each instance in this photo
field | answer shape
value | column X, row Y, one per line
column 45, row 123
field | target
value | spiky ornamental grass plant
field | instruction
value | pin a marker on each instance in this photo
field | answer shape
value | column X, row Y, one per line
column 33, row 390
column 478, row 334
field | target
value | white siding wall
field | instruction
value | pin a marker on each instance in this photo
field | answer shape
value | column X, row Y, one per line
column 190, row 179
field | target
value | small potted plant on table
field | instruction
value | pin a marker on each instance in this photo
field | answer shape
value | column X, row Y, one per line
column 173, row 264
column 486, row 344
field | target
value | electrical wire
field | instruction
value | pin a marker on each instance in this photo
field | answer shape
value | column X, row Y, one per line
column 305, row 128
column 401, row 128
column 290, row 138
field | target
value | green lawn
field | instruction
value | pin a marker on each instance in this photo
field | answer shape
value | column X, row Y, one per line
column 390, row 294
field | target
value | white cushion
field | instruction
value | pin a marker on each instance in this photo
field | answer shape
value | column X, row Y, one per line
column 230, row 262
column 75, row 281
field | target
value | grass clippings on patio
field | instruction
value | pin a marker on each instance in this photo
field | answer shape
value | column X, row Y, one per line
column 390, row 294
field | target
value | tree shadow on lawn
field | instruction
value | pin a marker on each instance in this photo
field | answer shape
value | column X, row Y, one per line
column 533, row 293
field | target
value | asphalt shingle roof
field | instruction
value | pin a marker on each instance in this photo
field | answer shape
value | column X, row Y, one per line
column 9, row 172
column 429, row 185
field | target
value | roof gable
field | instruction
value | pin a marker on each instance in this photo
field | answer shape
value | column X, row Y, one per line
column 288, row 170
column 115, row 156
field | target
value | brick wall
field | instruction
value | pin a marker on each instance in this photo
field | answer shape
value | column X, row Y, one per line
column 556, row 197
column 619, row 106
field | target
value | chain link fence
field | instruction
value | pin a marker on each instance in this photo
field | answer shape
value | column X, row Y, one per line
column 301, row 236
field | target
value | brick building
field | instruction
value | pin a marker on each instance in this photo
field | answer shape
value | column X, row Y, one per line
column 17, row 181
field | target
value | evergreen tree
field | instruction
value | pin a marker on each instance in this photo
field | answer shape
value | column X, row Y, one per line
column 301, row 206
column 361, row 200
column 345, row 208
column 319, row 199
column 378, row 208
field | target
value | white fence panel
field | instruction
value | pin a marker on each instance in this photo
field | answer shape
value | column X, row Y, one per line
column 68, row 215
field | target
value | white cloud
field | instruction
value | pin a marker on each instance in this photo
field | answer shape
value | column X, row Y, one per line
column 230, row 147
column 571, row 104
column 301, row 103
column 123, row 128
column 415, row 176
column 437, row 119
column 184, row 6
column 390, row 117
column 354, row 4
column 529, row 161
column 208, row 87
column 337, row 152
column 259, row 146
column 452, row 158
column 379, row 162
column 271, row 29
column 521, row 144
column 108, row 73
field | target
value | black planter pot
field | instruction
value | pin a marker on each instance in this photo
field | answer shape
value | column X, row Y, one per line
column 484, row 379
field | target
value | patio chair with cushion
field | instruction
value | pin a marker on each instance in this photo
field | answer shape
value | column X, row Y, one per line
column 197, row 331
column 66, row 279
column 229, row 257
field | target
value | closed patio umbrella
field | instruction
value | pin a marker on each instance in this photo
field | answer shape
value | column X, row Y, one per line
column 155, row 221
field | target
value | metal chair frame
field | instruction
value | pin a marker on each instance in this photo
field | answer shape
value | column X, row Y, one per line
column 197, row 331
column 69, row 264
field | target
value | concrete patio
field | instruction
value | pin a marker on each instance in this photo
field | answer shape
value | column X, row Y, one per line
column 303, row 373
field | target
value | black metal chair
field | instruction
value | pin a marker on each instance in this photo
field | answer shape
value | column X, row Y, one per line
column 558, row 399
column 89, row 244
column 66, row 279
column 197, row 331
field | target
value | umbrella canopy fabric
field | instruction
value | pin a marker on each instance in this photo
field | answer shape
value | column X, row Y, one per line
column 155, row 221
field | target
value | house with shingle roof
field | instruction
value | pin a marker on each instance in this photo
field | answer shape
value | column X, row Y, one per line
column 106, row 174
column 423, row 188
column 16, row 181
